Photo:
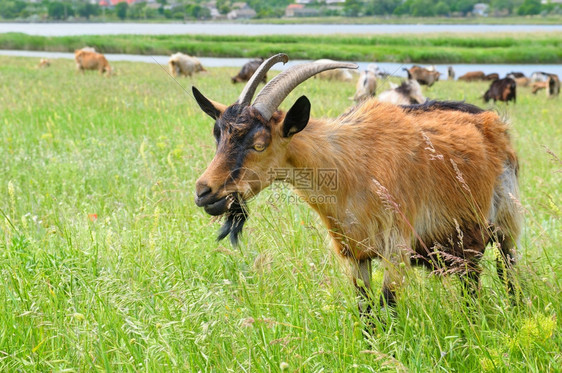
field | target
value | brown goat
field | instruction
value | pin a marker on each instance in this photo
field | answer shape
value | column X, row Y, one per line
column 502, row 90
column 366, row 86
column 492, row 76
column 450, row 73
column 422, row 75
column 431, row 184
column 87, row 60
column 552, row 85
column 44, row 63
column 247, row 71
column 472, row 76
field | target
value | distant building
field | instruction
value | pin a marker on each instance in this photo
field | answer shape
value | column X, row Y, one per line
column 291, row 8
column 327, row 2
column 241, row 11
column 299, row 10
column 481, row 9
column 115, row 2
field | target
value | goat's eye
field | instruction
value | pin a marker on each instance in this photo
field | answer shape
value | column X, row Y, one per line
column 259, row 147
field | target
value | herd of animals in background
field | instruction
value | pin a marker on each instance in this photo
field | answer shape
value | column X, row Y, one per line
column 408, row 92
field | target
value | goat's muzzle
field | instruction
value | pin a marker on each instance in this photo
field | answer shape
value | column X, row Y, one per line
column 232, row 206
column 218, row 207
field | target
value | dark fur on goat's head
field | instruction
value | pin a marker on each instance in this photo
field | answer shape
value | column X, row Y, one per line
column 251, row 141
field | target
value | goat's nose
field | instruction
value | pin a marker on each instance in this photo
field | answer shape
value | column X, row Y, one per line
column 201, row 191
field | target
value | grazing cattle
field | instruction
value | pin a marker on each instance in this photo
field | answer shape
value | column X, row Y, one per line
column 87, row 60
column 450, row 73
column 501, row 90
column 429, row 184
column 342, row 75
column 183, row 64
column 492, row 76
column 366, row 85
column 247, row 71
column 422, row 75
column 44, row 63
column 472, row 76
column 409, row 92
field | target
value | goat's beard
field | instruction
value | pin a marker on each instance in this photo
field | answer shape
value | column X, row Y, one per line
column 236, row 215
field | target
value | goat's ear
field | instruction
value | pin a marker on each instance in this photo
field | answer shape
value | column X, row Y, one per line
column 297, row 117
column 211, row 108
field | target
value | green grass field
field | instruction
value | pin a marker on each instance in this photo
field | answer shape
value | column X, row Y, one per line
column 107, row 264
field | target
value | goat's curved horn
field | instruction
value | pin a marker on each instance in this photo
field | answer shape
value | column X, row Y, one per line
column 250, row 88
column 274, row 92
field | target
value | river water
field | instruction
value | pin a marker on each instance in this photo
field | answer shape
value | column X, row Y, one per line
column 389, row 67
column 62, row 29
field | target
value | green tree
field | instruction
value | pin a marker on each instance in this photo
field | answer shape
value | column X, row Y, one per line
column 223, row 6
column 87, row 10
column 529, row 7
column 11, row 9
column 422, row 8
column 121, row 10
column 442, row 9
column 352, row 8
column 55, row 10
column 403, row 8
column 137, row 11
column 501, row 5
column 463, row 6
column 379, row 7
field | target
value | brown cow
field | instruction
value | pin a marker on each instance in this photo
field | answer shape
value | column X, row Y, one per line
column 86, row 60
column 422, row 75
column 492, row 76
column 472, row 76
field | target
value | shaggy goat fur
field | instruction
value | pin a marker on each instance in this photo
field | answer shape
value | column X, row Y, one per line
column 431, row 184
column 88, row 60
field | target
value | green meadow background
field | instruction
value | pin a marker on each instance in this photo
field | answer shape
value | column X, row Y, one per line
column 516, row 48
column 106, row 264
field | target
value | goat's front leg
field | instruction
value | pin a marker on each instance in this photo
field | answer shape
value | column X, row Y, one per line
column 361, row 274
column 395, row 266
